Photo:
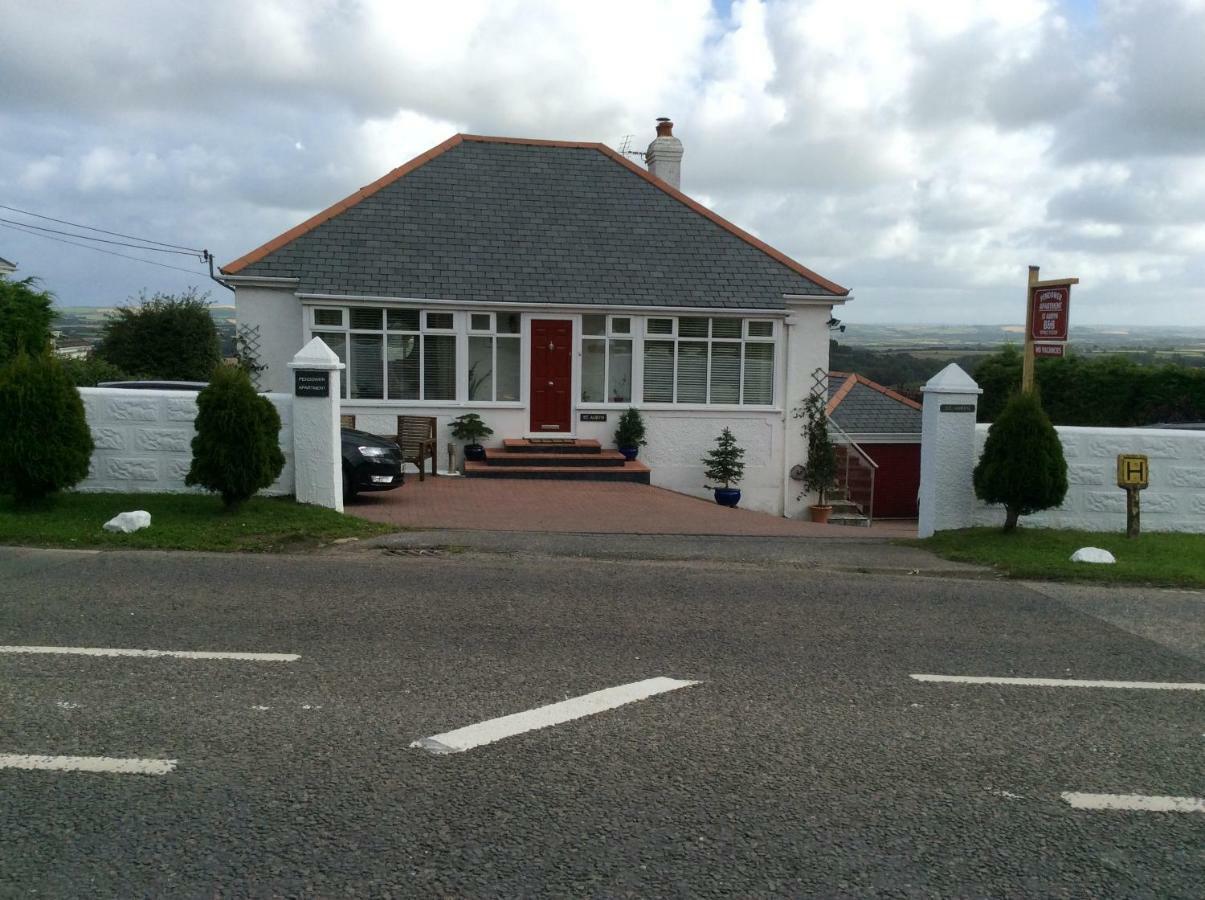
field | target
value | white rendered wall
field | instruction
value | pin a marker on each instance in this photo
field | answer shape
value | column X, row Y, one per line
column 278, row 314
column 806, row 350
column 1175, row 500
column 144, row 440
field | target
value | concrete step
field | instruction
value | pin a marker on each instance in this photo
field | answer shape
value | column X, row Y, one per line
column 551, row 445
column 509, row 458
column 635, row 471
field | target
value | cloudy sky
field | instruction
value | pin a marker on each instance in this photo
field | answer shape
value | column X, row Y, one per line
column 920, row 152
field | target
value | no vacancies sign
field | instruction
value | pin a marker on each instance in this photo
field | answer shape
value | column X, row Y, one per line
column 1051, row 312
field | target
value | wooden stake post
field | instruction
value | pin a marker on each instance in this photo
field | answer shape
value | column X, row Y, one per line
column 1031, row 289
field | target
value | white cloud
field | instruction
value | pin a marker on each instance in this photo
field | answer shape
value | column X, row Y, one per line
column 921, row 152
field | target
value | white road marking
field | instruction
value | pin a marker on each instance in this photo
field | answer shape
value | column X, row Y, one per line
column 1140, row 802
column 542, row 717
column 178, row 654
column 110, row 764
column 1067, row 682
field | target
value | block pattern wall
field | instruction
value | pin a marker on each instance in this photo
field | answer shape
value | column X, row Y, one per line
column 1175, row 500
column 144, row 440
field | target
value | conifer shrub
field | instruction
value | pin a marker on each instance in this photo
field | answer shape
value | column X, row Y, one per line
column 725, row 464
column 26, row 315
column 236, row 451
column 45, row 444
column 1022, row 466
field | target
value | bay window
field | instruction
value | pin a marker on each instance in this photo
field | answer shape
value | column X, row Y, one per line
column 705, row 360
column 606, row 359
column 494, row 354
column 391, row 354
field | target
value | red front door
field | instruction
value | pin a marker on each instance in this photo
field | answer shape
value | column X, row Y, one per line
column 551, row 375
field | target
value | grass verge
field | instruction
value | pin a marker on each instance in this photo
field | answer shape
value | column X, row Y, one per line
column 1175, row 560
column 179, row 522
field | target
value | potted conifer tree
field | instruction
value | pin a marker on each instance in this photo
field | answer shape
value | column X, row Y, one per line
column 725, row 466
column 820, row 470
column 629, row 433
column 470, row 429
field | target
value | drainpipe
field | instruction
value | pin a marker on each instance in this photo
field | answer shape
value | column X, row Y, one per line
column 208, row 257
column 787, row 325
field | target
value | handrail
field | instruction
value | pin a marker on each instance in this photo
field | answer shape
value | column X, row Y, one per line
column 849, row 440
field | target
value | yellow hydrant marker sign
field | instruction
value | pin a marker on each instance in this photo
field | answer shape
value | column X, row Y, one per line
column 1133, row 471
column 1133, row 474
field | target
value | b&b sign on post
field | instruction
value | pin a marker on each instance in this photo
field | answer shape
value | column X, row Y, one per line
column 1133, row 474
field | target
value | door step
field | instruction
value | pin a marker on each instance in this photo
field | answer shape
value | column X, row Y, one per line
column 550, row 445
column 634, row 471
column 512, row 458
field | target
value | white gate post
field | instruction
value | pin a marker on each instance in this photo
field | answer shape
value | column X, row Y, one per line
column 317, row 453
column 947, row 451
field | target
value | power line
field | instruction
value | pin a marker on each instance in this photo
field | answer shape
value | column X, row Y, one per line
column 131, row 237
column 149, row 262
column 85, row 237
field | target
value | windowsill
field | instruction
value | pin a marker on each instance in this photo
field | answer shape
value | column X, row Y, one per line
column 433, row 404
column 684, row 407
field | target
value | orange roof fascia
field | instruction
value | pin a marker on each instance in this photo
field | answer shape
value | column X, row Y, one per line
column 835, row 400
column 386, row 180
column 854, row 378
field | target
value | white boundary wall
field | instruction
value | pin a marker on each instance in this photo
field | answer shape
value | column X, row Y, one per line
column 144, row 440
column 951, row 444
column 1174, row 501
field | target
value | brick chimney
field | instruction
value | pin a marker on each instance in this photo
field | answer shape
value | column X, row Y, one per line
column 664, row 156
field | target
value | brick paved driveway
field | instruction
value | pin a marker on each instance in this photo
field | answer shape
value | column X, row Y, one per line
column 582, row 506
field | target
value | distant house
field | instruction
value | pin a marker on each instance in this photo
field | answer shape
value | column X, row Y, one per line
column 886, row 426
column 71, row 348
column 548, row 286
column 6, row 267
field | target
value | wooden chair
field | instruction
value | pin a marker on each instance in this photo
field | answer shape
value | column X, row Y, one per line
column 416, row 437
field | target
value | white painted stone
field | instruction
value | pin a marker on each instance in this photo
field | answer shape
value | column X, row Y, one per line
column 128, row 522
column 172, row 440
column 1093, row 555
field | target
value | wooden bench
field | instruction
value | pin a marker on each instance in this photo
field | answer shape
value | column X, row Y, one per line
column 415, row 435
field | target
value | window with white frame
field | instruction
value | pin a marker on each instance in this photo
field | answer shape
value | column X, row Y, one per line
column 606, row 359
column 494, row 355
column 391, row 354
column 717, row 361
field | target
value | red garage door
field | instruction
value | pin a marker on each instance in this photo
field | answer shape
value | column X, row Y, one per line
column 897, row 480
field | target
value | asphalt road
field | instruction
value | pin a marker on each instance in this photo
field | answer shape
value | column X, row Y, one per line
column 806, row 761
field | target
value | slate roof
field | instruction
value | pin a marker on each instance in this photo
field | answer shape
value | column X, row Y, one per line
column 861, row 406
column 508, row 220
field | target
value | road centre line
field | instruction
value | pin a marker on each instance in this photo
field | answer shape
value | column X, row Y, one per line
column 108, row 764
column 177, row 654
column 544, row 716
column 1066, row 682
column 1139, row 802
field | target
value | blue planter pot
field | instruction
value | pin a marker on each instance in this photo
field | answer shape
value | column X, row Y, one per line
column 729, row 497
column 629, row 453
column 474, row 452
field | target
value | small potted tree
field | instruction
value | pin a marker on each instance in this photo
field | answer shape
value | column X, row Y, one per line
column 470, row 429
column 725, row 467
column 820, row 470
column 629, row 434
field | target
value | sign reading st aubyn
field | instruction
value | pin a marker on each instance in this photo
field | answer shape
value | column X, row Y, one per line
column 1051, row 312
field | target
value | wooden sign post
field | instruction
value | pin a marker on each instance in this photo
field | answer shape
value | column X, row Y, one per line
column 1133, row 474
column 1047, row 320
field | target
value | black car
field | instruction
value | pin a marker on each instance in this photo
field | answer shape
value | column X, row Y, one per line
column 370, row 463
